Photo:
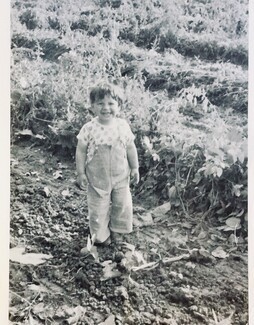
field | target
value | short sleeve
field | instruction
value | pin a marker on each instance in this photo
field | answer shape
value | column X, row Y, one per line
column 127, row 134
column 85, row 132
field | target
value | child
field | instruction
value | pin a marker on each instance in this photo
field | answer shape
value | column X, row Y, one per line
column 106, row 157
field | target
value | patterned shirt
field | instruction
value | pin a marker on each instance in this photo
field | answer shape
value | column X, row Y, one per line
column 95, row 134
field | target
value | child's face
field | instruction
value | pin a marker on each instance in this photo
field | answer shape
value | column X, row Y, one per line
column 106, row 109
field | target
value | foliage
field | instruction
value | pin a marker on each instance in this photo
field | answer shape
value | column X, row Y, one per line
column 175, row 63
column 195, row 160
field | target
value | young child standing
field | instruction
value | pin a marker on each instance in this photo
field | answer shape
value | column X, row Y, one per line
column 106, row 158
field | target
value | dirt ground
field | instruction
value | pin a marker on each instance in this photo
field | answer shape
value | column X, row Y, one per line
column 170, row 270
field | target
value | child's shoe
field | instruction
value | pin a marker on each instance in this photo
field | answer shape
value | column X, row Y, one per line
column 116, row 237
column 107, row 242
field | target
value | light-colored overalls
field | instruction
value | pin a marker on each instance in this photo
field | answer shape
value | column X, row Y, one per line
column 109, row 198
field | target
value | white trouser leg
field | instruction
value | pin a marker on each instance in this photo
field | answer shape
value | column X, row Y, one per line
column 98, row 211
column 121, row 212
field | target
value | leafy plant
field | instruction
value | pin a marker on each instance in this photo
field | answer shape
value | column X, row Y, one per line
column 191, row 143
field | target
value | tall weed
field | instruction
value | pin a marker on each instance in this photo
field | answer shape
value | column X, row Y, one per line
column 191, row 152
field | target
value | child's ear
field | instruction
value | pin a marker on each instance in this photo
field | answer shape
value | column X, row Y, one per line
column 118, row 112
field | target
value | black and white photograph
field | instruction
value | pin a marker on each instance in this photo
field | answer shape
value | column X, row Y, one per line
column 128, row 167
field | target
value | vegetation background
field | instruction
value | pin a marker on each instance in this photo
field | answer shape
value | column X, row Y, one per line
column 184, row 71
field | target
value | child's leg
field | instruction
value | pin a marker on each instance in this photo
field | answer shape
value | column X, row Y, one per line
column 98, row 211
column 121, row 212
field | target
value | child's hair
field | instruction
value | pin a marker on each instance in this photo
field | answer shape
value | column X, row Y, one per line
column 103, row 89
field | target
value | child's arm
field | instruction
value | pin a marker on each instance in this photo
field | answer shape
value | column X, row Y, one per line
column 81, row 154
column 132, row 156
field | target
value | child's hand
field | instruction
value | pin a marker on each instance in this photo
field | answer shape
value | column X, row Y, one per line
column 82, row 181
column 135, row 175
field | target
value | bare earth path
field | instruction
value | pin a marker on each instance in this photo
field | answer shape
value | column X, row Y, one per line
column 170, row 270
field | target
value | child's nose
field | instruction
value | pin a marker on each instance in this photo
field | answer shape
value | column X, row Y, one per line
column 106, row 107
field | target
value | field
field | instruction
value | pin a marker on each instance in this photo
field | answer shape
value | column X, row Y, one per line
column 183, row 68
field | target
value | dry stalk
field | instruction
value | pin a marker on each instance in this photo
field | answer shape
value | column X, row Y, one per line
column 192, row 165
column 153, row 265
column 177, row 189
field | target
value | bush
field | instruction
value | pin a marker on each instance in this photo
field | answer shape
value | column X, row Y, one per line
column 191, row 152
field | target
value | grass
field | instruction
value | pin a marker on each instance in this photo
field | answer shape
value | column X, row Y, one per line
column 184, row 70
